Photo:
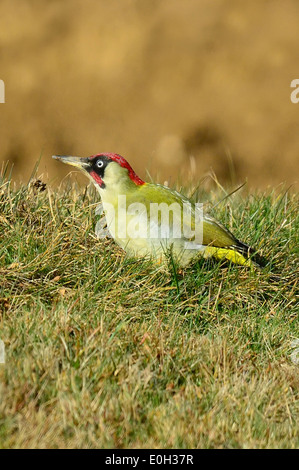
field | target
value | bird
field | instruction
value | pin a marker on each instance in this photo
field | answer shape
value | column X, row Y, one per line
column 151, row 220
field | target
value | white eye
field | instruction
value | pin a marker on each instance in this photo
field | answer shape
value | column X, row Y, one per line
column 100, row 164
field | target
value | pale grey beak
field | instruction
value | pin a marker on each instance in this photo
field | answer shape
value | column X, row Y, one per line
column 79, row 162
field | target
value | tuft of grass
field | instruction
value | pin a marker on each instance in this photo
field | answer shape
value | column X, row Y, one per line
column 105, row 351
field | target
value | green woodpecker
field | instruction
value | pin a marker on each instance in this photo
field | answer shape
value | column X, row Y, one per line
column 151, row 219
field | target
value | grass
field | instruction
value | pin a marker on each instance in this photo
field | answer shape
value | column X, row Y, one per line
column 104, row 351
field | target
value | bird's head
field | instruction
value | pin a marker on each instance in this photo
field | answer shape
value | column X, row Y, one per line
column 106, row 170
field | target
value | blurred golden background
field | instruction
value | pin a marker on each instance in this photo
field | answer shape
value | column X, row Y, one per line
column 177, row 87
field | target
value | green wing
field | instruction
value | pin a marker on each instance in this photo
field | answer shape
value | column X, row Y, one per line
column 220, row 242
column 214, row 233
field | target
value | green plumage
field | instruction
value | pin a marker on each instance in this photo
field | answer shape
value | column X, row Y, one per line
column 217, row 240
